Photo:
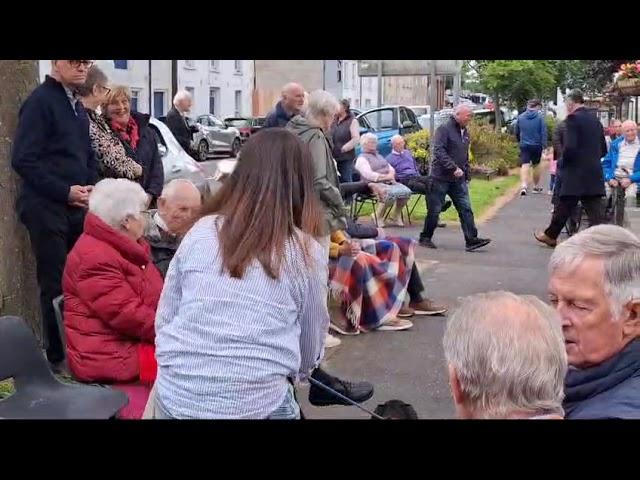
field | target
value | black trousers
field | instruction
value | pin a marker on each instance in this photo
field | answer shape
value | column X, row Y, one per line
column 53, row 231
column 415, row 287
column 593, row 205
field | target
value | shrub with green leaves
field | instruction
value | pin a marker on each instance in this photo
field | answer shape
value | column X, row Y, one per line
column 418, row 145
column 495, row 150
column 551, row 123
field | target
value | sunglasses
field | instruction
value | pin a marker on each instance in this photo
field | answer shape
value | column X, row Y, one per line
column 78, row 63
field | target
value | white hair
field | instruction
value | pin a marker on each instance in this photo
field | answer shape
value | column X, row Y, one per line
column 368, row 137
column 181, row 95
column 171, row 188
column 618, row 248
column 396, row 138
column 321, row 105
column 508, row 354
column 115, row 199
column 460, row 108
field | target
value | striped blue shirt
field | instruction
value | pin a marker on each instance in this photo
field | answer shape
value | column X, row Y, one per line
column 225, row 346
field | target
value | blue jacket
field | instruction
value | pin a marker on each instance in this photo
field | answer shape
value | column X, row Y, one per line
column 608, row 390
column 531, row 129
column 278, row 117
column 610, row 162
column 52, row 150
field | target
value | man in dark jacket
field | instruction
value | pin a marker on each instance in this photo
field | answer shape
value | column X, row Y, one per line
column 288, row 107
column 581, row 177
column 177, row 122
column 52, row 153
column 450, row 175
column 594, row 278
column 178, row 208
column 531, row 131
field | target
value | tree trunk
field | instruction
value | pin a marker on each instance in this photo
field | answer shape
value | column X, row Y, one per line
column 18, row 288
column 498, row 112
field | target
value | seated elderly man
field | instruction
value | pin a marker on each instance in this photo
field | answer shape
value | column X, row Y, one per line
column 407, row 171
column 506, row 358
column 595, row 286
column 178, row 209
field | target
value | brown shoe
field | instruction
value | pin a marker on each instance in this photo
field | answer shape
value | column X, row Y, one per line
column 427, row 307
column 395, row 325
column 544, row 238
column 340, row 323
column 406, row 312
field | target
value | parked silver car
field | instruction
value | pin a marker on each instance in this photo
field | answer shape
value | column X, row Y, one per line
column 178, row 164
column 215, row 137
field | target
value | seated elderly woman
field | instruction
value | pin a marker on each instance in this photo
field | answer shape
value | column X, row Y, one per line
column 111, row 291
column 370, row 280
column 374, row 168
column 139, row 140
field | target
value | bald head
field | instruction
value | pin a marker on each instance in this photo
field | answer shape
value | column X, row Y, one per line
column 506, row 356
column 629, row 130
column 292, row 98
column 463, row 114
column 179, row 205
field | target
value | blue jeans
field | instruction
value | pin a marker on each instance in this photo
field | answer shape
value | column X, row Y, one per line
column 459, row 194
column 345, row 169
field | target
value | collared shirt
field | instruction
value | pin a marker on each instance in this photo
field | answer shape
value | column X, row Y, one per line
column 73, row 99
column 160, row 223
column 627, row 157
column 225, row 346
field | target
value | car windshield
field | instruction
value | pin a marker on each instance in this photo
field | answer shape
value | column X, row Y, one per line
column 239, row 122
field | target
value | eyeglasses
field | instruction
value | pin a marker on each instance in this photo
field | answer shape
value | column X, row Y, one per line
column 106, row 89
column 84, row 63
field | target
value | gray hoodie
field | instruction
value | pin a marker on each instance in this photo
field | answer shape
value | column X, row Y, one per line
column 325, row 174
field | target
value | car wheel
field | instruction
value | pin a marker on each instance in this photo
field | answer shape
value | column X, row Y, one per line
column 203, row 151
column 235, row 147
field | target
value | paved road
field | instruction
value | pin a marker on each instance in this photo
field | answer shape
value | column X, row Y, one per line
column 410, row 365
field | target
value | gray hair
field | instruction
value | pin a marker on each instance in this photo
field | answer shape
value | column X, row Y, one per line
column 396, row 137
column 508, row 354
column 95, row 76
column 321, row 105
column 171, row 188
column 619, row 250
column 181, row 95
column 115, row 199
column 460, row 108
column 368, row 137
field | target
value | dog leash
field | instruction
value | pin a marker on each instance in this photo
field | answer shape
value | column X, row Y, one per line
column 343, row 398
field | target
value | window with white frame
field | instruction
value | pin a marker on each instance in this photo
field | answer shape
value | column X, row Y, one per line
column 121, row 64
column 190, row 64
column 353, row 74
column 214, row 65
column 214, row 100
column 135, row 95
column 237, row 66
column 238, row 103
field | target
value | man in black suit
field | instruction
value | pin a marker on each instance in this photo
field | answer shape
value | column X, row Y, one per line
column 580, row 169
column 177, row 122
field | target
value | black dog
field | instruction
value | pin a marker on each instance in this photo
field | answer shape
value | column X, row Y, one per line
column 396, row 410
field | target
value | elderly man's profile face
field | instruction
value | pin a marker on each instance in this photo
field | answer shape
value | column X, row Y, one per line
column 592, row 334
column 293, row 98
column 464, row 116
column 398, row 144
column 181, row 210
column 617, row 127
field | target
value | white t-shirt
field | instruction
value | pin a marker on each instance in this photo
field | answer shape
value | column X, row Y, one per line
column 627, row 157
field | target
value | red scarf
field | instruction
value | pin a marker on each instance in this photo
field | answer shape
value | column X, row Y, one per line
column 128, row 132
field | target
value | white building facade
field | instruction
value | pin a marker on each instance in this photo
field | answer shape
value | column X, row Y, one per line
column 220, row 87
column 362, row 92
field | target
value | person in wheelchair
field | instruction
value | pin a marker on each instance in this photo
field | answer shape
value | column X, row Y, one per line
column 621, row 165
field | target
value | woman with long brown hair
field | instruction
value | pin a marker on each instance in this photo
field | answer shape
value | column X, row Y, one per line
column 243, row 311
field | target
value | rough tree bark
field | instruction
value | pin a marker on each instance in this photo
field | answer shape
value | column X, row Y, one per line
column 18, row 288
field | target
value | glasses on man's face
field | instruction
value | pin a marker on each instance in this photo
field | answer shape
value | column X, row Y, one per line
column 106, row 89
column 77, row 63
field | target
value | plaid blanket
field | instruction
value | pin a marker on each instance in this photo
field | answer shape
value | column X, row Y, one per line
column 373, row 285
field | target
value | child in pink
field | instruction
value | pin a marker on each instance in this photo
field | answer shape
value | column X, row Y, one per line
column 553, row 165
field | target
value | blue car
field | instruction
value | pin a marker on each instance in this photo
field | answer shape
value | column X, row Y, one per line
column 385, row 122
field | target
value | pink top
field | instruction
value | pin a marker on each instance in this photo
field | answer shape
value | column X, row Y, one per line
column 553, row 163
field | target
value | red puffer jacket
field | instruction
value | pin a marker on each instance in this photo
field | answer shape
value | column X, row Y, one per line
column 111, row 291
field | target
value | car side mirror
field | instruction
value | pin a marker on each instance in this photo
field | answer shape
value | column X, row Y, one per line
column 407, row 124
column 163, row 150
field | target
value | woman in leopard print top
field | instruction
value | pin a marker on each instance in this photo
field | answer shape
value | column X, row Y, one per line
column 113, row 161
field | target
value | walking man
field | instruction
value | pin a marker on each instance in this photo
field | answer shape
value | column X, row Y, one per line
column 531, row 131
column 581, row 176
column 52, row 153
column 288, row 107
column 177, row 121
column 450, row 175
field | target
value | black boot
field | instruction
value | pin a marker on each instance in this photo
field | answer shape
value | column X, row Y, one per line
column 356, row 391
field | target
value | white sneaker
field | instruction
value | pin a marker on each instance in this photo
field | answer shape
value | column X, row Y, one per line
column 330, row 341
column 395, row 325
column 523, row 191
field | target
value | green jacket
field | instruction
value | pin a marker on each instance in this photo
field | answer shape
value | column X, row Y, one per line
column 325, row 172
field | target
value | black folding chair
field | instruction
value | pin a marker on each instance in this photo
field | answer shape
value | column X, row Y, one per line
column 38, row 393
